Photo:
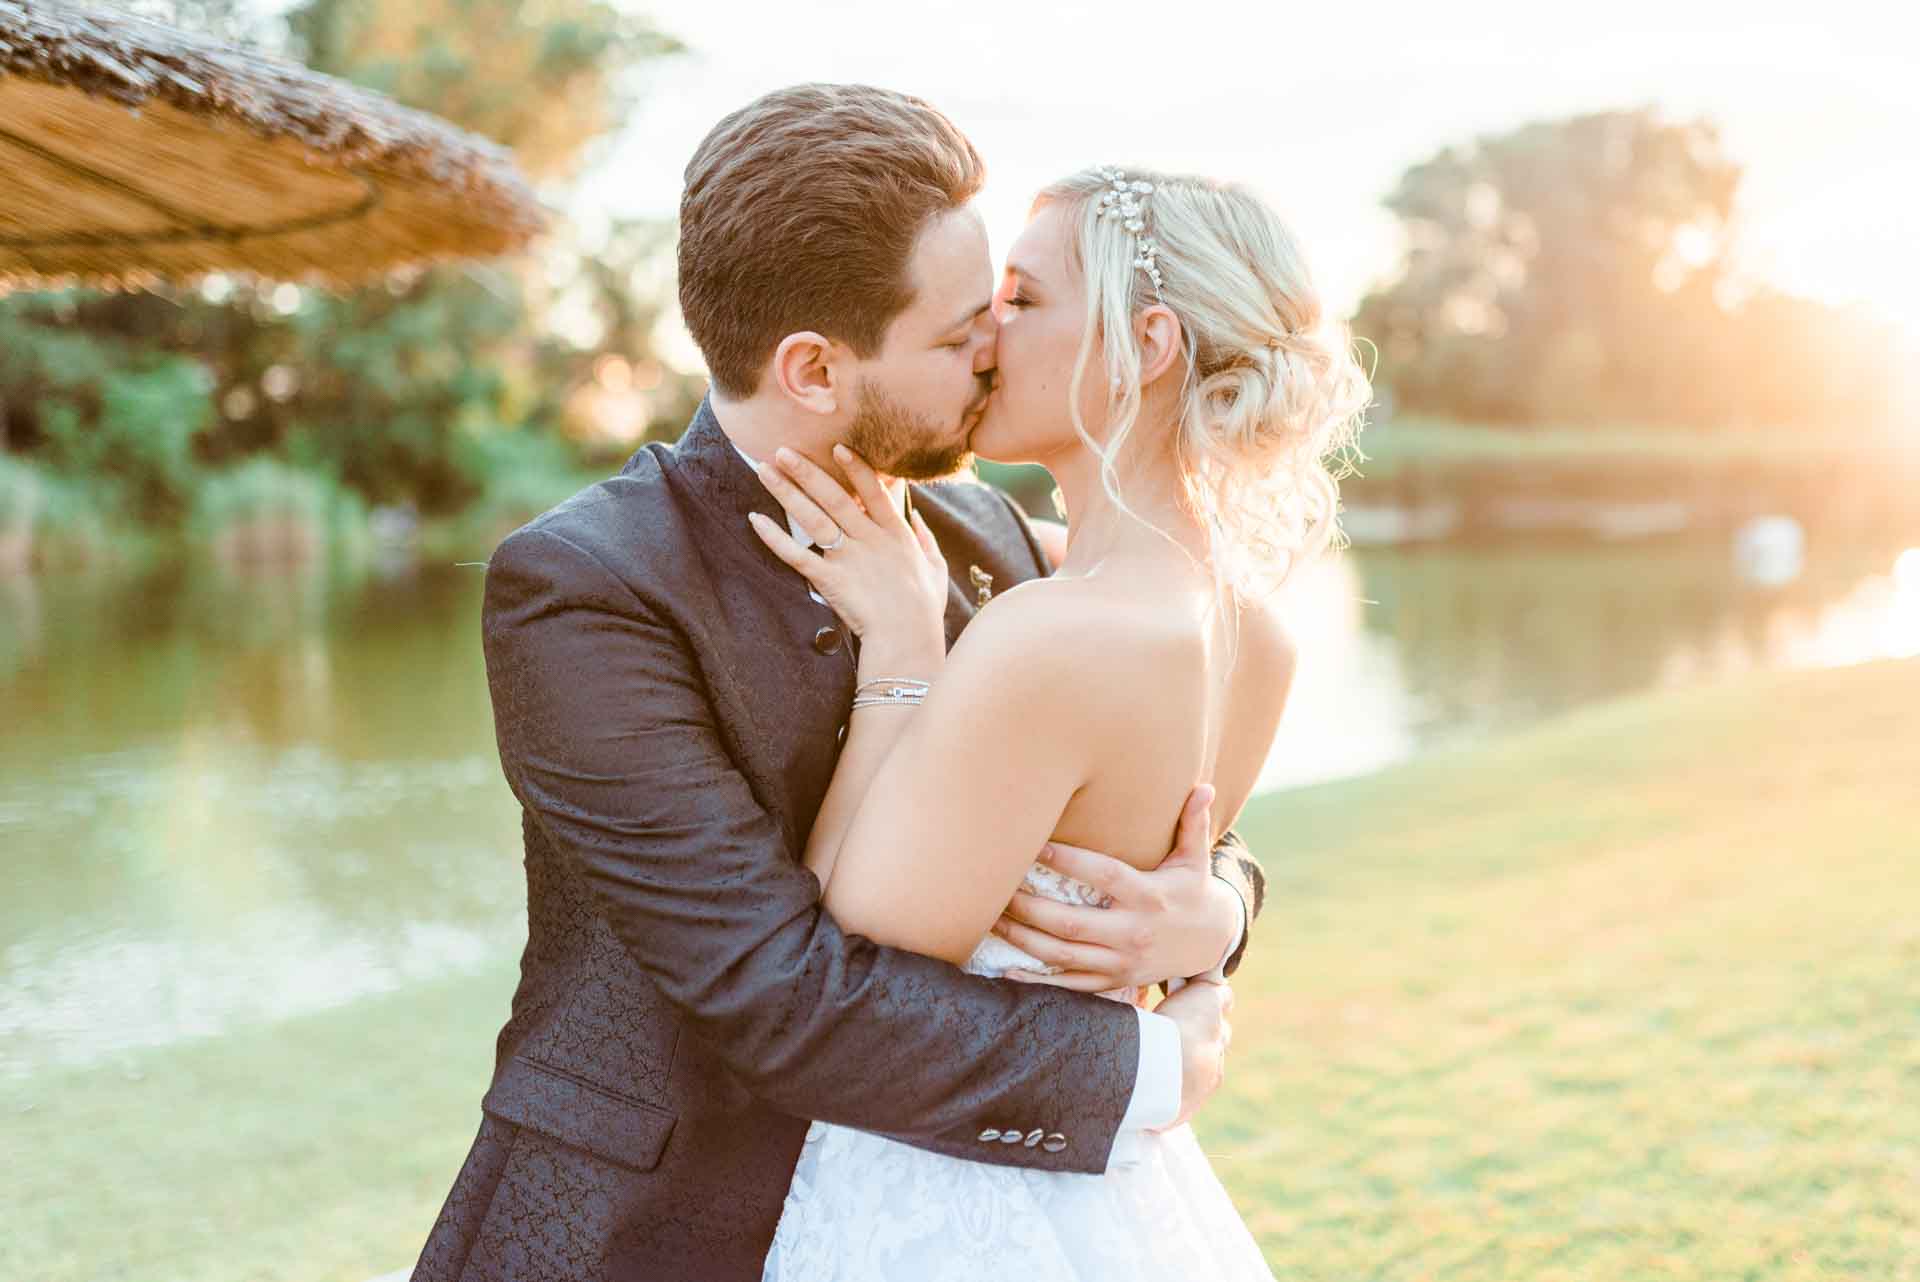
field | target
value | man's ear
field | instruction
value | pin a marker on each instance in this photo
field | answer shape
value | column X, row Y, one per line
column 805, row 371
column 1159, row 333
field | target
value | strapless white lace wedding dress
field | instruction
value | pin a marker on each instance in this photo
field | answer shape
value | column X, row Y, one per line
column 863, row 1208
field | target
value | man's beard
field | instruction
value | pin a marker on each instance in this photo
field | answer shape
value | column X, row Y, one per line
column 897, row 442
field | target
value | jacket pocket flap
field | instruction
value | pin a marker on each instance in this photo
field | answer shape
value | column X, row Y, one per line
column 623, row 1131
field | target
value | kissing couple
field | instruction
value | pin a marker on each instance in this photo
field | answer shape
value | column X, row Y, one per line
column 790, row 710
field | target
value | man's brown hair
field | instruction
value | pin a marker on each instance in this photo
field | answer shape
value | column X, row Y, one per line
column 800, row 213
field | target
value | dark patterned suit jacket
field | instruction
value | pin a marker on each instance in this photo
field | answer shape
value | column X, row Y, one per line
column 667, row 700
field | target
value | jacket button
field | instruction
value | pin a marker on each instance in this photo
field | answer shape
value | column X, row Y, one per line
column 1054, row 1142
column 989, row 1135
column 827, row 640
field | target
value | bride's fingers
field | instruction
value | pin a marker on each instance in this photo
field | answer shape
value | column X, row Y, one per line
column 927, row 544
column 782, row 545
column 866, row 486
column 819, row 526
column 828, row 493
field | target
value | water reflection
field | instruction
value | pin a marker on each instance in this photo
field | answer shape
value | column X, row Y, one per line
column 1350, row 709
column 229, row 799
column 1900, row 628
column 1404, row 649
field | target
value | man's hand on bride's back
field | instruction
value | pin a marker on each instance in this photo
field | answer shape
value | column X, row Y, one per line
column 1174, row 921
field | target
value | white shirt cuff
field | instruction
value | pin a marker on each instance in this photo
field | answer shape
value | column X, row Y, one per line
column 1156, row 1088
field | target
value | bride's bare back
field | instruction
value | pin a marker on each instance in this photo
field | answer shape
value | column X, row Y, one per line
column 1169, row 693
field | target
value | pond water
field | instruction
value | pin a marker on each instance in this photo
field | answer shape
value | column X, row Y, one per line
column 227, row 800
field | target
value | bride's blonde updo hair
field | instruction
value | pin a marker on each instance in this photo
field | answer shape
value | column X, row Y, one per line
column 1272, row 398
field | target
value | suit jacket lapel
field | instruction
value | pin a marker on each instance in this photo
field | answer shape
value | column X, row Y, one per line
column 960, row 611
column 728, row 487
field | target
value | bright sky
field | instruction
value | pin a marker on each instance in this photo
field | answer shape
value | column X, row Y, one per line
column 1321, row 108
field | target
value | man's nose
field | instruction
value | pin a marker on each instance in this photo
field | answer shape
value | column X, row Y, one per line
column 987, row 355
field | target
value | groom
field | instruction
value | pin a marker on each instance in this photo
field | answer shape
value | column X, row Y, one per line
column 667, row 699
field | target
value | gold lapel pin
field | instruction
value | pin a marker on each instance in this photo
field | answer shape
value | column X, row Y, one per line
column 982, row 585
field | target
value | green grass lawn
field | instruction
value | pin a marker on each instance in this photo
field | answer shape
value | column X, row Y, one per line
column 1633, row 996
column 1636, row 995
column 315, row 1150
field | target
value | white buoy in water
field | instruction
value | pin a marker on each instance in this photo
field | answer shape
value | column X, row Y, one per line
column 1906, row 571
column 1770, row 550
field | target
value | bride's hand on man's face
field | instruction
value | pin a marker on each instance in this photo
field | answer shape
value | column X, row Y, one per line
column 885, row 578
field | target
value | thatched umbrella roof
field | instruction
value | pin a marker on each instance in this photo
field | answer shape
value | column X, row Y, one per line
column 134, row 152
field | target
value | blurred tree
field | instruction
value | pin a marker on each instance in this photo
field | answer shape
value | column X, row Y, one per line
column 439, row 387
column 123, row 415
column 545, row 79
column 1582, row 271
column 619, row 291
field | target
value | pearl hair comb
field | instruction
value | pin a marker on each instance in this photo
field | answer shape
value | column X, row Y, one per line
column 1124, row 200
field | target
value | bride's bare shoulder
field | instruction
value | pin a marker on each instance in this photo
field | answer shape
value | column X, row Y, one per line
column 1053, row 627
column 1037, row 610
column 1067, row 634
column 1092, row 624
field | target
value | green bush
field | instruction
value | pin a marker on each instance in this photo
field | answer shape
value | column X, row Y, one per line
column 47, row 519
column 266, row 509
column 20, row 494
column 522, row 473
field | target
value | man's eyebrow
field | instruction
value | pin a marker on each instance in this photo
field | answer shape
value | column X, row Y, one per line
column 966, row 322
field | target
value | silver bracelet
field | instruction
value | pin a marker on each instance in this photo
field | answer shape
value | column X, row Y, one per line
column 893, row 684
column 898, row 699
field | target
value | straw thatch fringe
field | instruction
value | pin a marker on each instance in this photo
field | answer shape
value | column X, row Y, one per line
column 134, row 152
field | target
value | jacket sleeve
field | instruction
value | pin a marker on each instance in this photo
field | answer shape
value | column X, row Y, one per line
column 607, row 736
column 1234, row 864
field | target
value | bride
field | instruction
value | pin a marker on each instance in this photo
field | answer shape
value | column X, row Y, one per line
column 1163, row 352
